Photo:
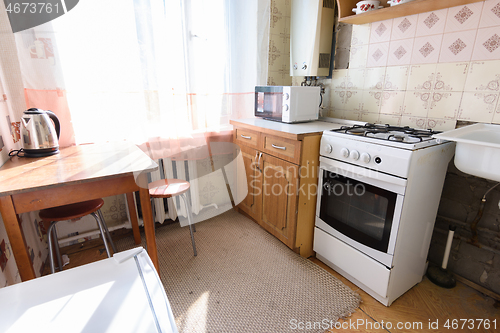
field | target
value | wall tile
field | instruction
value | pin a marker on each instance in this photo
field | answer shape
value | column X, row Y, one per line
column 396, row 78
column 381, row 31
column 441, row 124
column 358, row 56
column 355, row 79
column 426, row 49
column 378, row 54
column 370, row 101
column 337, row 99
column 463, row 17
column 400, row 52
column 457, row 46
column 431, row 23
column 490, row 15
column 487, row 46
column 392, row 102
column 428, row 123
column 389, row 119
column 496, row 116
column 370, row 117
column 360, row 34
column 421, row 77
column 374, row 78
column 404, row 27
column 451, row 76
column 339, row 77
column 483, row 76
column 478, row 106
column 352, row 100
column 444, row 105
column 416, row 103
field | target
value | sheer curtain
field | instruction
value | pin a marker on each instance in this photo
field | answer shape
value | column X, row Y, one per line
column 147, row 70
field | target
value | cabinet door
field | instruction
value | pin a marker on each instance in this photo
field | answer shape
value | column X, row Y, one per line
column 279, row 198
column 250, row 204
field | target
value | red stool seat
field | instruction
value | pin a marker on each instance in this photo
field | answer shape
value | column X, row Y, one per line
column 71, row 211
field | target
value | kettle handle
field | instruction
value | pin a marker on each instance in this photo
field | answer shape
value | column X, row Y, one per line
column 54, row 118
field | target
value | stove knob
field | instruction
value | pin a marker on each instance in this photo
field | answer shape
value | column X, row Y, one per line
column 344, row 152
column 328, row 149
column 355, row 155
column 365, row 158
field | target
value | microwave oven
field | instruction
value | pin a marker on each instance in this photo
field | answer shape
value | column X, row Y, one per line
column 287, row 104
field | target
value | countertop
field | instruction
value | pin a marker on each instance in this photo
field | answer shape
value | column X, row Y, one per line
column 293, row 131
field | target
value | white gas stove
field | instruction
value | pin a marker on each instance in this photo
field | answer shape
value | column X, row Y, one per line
column 379, row 190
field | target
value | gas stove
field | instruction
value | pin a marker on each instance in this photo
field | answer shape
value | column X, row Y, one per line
column 387, row 135
column 379, row 191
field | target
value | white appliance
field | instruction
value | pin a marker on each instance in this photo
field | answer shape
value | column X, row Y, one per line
column 287, row 104
column 379, row 191
column 115, row 295
column 311, row 36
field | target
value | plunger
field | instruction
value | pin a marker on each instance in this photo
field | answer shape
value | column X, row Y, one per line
column 440, row 275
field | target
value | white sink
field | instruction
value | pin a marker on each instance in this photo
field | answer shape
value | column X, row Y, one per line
column 477, row 150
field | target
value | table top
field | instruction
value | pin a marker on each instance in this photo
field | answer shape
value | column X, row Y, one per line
column 75, row 164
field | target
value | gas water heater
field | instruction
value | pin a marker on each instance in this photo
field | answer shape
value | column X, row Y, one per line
column 311, row 31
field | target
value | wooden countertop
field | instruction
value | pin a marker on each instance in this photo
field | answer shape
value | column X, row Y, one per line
column 76, row 164
column 290, row 131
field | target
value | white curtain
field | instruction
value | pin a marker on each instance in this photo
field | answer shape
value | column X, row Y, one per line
column 149, row 70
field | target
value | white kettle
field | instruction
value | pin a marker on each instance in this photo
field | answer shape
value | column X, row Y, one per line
column 40, row 136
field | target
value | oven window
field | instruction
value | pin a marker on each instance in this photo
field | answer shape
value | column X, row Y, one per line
column 360, row 211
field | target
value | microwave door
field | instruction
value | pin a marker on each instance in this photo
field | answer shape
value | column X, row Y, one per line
column 268, row 104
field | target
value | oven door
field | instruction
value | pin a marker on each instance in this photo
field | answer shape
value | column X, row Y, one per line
column 361, row 207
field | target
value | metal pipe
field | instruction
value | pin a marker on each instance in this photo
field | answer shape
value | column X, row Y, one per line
column 449, row 241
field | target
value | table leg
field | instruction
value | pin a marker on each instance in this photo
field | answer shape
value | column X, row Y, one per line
column 149, row 226
column 16, row 238
column 133, row 218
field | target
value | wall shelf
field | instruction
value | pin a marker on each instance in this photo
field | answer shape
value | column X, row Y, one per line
column 414, row 7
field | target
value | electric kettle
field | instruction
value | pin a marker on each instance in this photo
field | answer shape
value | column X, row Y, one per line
column 40, row 137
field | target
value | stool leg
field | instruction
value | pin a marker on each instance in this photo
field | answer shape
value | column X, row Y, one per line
column 107, row 231
column 51, row 254
column 190, row 220
column 56, row 245
column 103, row 234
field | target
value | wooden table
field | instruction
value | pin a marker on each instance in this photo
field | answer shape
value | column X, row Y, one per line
column 76, row 174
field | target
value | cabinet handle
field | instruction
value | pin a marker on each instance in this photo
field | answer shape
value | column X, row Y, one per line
column 258, row 163
column 246, row 137
column 278, row 147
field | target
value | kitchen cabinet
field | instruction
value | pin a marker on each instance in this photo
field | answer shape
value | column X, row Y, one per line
column 281, row 163
column 413, row 7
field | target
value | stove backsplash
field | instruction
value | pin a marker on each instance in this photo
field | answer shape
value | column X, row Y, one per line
column 426, row 70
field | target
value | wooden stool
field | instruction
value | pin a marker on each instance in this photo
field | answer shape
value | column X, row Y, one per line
column 71, row 212
column 167, row 188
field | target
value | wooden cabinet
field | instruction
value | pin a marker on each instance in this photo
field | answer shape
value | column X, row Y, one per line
column 281, row 173
column 413, row 7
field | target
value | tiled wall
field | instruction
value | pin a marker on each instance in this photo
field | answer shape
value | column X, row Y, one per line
column 279, row 44
column 426, row 70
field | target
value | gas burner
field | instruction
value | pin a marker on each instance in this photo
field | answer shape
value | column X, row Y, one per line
column 399, row 138
column 403, row 136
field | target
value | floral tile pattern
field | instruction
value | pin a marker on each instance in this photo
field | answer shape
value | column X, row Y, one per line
column 431, row 23
column 490, row 15
column 462, row 18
